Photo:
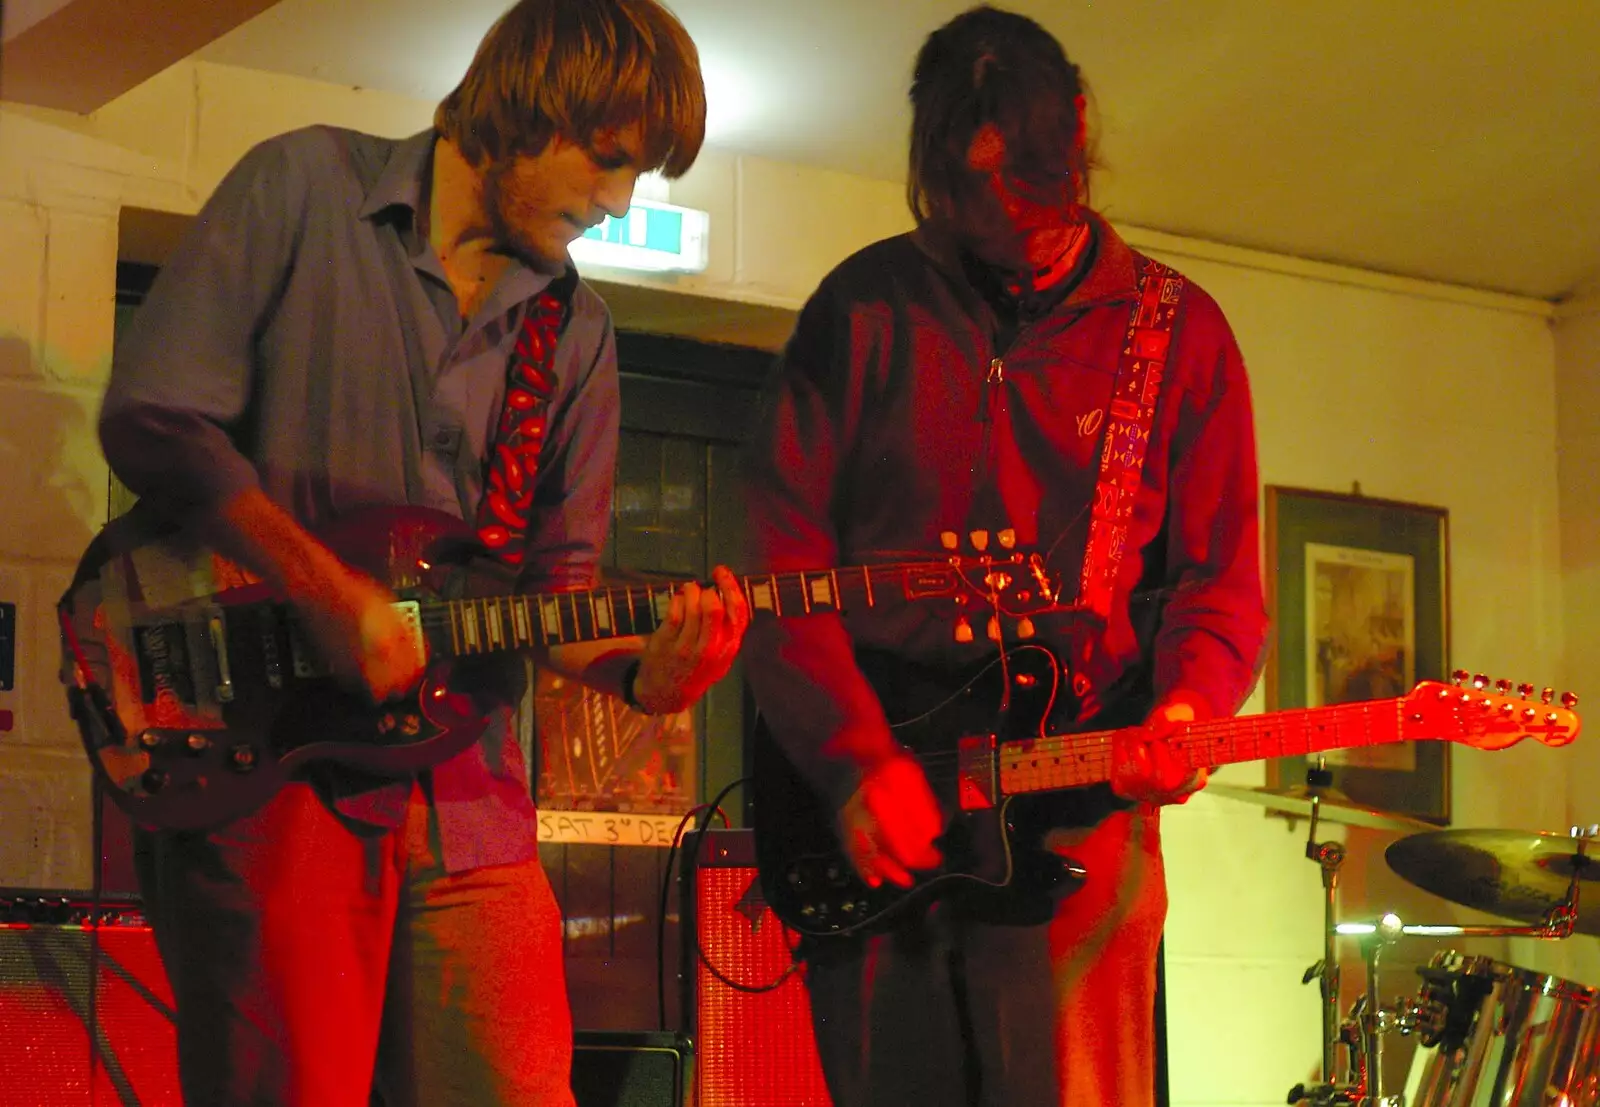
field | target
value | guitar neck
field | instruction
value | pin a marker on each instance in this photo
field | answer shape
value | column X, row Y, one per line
column 473, row 627
column 1073, row 760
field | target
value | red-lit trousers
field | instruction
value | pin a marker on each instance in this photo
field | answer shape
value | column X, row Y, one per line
column 956, row 1013
column 311, row 965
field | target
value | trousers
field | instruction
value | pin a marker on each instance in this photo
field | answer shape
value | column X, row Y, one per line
column 314, row 961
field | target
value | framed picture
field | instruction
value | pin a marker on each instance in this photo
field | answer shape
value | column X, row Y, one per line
column 1359, row 592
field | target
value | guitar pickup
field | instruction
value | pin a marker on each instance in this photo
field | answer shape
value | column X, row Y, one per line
column 410, row 612
column 308, row 666
column 217, row 630
column 977, row 776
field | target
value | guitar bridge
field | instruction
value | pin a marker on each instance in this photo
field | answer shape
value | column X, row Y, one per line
column 977, row 778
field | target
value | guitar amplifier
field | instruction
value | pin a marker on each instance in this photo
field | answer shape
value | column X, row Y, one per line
column 86, row 1017
column 630, row 1068
column 753, row 1048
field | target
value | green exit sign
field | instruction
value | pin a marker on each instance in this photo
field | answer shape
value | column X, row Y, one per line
column 652, row 237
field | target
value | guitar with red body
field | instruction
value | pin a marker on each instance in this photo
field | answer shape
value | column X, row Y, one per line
column 197, row 696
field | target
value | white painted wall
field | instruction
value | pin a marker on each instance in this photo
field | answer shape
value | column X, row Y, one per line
column 1418, row 392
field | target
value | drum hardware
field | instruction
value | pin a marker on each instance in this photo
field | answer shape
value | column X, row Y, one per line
column 1524, row 868
column 1531, row 877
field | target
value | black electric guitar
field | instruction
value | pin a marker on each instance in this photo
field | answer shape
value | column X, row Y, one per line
column 1003, row 779
column 197, row 695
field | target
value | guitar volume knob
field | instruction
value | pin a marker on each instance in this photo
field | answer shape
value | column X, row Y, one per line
column 153, row 781
column 242, row 758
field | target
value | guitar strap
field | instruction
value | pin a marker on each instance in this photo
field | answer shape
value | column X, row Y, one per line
column 1141, row 367
column 513, row 463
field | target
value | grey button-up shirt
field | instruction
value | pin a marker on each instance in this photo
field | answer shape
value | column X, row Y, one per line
column 304, row 338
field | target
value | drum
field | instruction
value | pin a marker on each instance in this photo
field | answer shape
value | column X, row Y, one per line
column 1498, row 1036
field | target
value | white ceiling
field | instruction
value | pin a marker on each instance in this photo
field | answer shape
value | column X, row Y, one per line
column 1455, row 141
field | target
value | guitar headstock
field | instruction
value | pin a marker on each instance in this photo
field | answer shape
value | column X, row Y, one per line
column 1005, row 580
column 1484, row 714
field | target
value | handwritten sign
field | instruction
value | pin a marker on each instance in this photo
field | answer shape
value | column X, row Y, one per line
column 607, row 828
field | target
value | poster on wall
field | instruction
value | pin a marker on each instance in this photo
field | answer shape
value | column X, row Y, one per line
column 607, row 774
column 1358, row 590
column 1362, row 639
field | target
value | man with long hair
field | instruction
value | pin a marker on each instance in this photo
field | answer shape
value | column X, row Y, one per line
column 354, row 321
column 1010, row 381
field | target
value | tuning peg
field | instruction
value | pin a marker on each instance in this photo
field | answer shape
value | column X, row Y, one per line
column 1569, row 700
column 994, row 628
column 1479, row 681
column 1547, row 695
column 1529, row 714
column 1503, row 687
column 979, row 540
column 1008, row 539
column 1525, row 690
column 1025, row 628
column 963, row 630
column 1459, row 676
column 949, row 539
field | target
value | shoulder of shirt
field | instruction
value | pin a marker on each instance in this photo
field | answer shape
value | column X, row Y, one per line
column 865, row 273
column 589, row 304
column 322, row 152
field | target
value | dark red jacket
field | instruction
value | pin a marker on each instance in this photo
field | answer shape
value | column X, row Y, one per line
column 893, row 418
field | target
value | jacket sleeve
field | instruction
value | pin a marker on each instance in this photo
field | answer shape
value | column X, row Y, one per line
column 183, row 371
column 811, row 694
column 1213, row 633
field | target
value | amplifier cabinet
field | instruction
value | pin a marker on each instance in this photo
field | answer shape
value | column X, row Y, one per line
column 752, row 1048
column 86, row 1017
column 630, row 1068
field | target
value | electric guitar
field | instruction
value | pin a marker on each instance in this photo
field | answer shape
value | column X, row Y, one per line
column 197, row 696
column 1003, row 779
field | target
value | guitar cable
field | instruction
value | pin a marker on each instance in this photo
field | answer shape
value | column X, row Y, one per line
column 707, row 811
column 91, row 709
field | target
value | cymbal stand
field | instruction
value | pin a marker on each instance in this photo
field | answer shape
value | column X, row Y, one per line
column 1329, row 857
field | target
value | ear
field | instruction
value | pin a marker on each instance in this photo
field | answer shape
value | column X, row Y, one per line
column 986, row 153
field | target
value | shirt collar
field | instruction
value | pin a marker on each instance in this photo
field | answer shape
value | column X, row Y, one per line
column 401, row 182
column 1113, row 274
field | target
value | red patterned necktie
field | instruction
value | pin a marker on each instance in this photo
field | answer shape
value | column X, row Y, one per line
column 519, row 436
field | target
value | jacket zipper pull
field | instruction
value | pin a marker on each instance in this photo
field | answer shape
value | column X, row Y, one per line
column 995, row 375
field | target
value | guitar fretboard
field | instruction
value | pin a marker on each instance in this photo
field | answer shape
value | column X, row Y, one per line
column 1074, row 760
column 470, row 627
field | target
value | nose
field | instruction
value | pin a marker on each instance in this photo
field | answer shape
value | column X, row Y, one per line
column 614, row 193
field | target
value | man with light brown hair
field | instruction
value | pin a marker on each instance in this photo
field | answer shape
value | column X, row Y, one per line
column 356, row 321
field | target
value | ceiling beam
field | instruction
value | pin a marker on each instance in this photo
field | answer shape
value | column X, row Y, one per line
column 79, row 55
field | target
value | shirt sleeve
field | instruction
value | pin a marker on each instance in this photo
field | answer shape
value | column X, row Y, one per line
column 1214, row 630
column 571, row 513
column 183, row 371
column 812, row 696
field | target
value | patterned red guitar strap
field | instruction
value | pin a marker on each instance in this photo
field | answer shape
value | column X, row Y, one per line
column 1140, row 370
column 519, row 436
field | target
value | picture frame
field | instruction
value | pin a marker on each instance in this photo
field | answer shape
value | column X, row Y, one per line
column 1358, row 589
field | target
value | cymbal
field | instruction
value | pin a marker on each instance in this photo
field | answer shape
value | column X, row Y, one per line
column 1515, row 874
column 1337, row 807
